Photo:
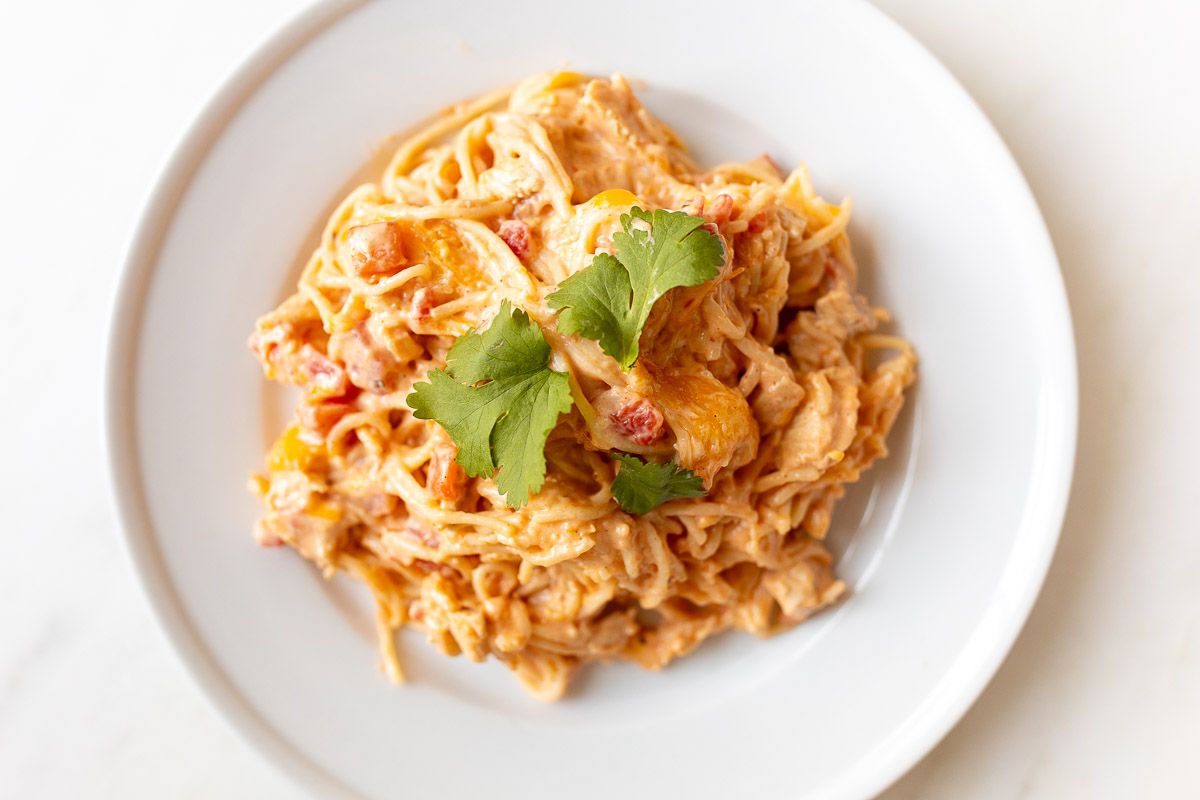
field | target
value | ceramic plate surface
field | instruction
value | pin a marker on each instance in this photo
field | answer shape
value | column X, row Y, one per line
column 944, row 544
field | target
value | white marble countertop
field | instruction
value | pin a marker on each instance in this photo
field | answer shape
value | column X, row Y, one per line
column 1098, row 101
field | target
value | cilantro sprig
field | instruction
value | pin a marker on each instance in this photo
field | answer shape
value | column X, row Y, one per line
column 610, row 300
column 498, row 399
column 642, row 486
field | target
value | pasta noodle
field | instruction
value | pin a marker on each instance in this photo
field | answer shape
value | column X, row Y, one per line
column 770, row 382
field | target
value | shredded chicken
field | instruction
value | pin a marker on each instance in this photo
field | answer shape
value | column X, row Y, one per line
column 770, row 382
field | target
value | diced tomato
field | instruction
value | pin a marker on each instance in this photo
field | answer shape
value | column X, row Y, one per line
column 320, row 417
column 423, row 301
column 323, row 376
column 370, row 365
column 516, row 235
column 444, row 478
column 376, row 249
column 757, row 223
column 640, row 421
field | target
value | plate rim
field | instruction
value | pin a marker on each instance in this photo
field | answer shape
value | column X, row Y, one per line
column 983, row 651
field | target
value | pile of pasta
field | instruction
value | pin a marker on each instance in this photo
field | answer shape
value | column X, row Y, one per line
column 771, row 382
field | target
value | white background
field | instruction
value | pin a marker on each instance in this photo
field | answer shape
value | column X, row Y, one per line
column 1099, row 103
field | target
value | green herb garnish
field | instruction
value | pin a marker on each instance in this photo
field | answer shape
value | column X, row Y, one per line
column 498, row 399
column 610, row 300
column 642, row 486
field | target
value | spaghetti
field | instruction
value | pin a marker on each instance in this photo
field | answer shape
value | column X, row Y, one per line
column 769, row 382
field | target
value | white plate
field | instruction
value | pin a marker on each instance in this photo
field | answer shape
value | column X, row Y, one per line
column 945, row 544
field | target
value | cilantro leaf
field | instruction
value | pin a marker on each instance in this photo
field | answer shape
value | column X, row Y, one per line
column 642, row 486
column 498, row 399
column 610, row 299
